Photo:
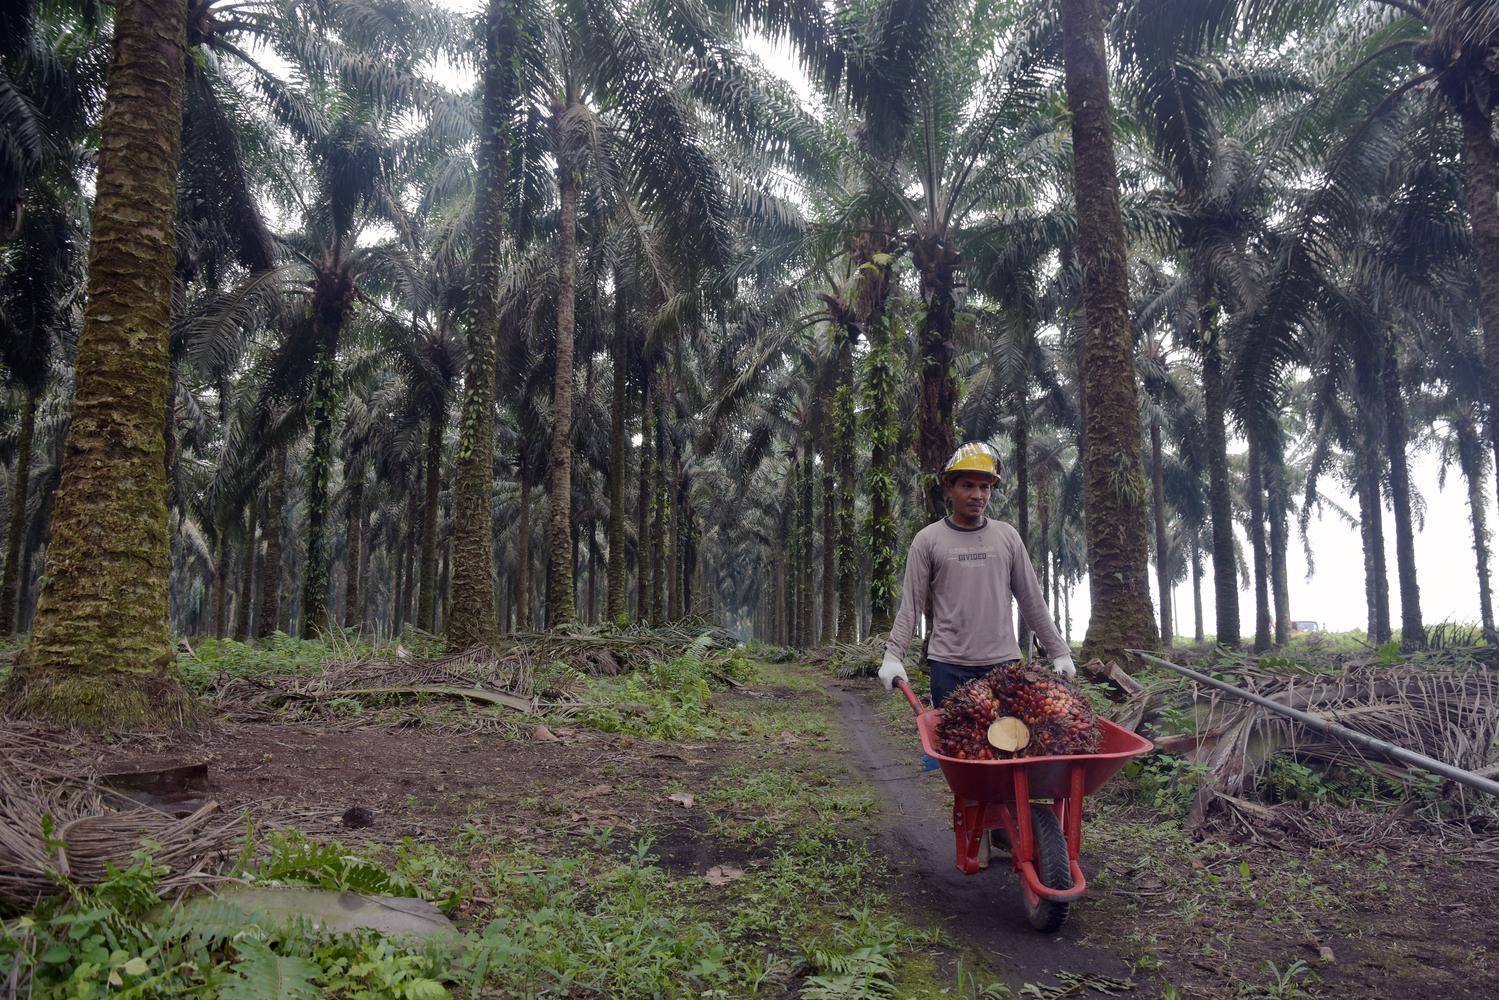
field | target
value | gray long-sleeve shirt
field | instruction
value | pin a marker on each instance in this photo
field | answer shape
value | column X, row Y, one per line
column 969, row 575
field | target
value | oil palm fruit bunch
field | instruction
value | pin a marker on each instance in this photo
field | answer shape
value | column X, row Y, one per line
column 1058, row 717
column 966, row 716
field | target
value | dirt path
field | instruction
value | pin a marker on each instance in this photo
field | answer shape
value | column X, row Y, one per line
column 984, row 909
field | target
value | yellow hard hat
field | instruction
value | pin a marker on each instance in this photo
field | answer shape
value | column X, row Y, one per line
column 974, row 456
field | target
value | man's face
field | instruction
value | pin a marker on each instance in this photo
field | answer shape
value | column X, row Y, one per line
column 969, row 495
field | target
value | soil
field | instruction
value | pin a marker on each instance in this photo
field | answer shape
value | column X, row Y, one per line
column 1398, row 918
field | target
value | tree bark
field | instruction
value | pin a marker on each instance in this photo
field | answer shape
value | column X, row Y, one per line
column 471, row 618
column 1198, row 631
column 829, row 525
column 426, row 613
column 354, row 544
column 270, row 577
column 1220, row 502
column 845, row 431
column 615, row 605
column 643, row 546
column 1114, row 487
column 245, row 625
column 881, row 387
column 523, row 552
column 220, row 589
column 1412, row 631
column 1162, row 546
column 1470, row 459
column 1275, row 483
column 318, row 472
column 1481, row 174
column 561, row 606
column 660, row 557
column 937, row 262
column 10, row 584
column 1376, row 585
column 100, row 654
column 678, row 562
column 807, row 609
column 1257, row 543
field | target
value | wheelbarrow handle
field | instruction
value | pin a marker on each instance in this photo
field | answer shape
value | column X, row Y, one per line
column 905, row 689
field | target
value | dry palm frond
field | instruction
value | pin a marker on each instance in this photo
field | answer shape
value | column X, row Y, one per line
column 55, row 830
column 1448, row 713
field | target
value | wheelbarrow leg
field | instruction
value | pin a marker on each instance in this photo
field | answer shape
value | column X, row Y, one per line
column 968, row 834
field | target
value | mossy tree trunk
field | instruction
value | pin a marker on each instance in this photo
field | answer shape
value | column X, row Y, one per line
column 1023, row 507
column 270, row 577
column 1481, row 177
column 937, row 263
column 318, row 472
column 10, row 583
column 523, row 550
column 354, row 543
column 100, row 653
column 244, row 627
column 880, row 391
column 1371, row 524
column 845, row 468
column 1114, row 495
column 561, row 605
column 1198, row 633
column 808, row 620
column 471, row 617
column 643, row 501
column 678, row 561
column 426, row 613
column 1278, row 509
column 616, row 603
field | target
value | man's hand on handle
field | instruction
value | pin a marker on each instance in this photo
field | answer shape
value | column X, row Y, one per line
column 891, row 669
column 1064, row 666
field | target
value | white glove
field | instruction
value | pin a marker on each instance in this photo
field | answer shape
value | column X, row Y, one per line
column 1064, row 666
column 891, row 669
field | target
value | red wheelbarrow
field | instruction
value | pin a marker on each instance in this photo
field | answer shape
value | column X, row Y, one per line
column 1038, row 804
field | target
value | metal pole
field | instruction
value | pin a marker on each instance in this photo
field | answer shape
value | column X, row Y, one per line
column 1331, row 728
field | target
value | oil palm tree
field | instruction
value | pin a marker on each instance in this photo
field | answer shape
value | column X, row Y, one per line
column 100, row 655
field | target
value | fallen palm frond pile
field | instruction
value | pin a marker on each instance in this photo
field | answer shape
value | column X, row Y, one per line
column 56, row 829
column 531, row 673
column 849, row 659
column 1451, row 714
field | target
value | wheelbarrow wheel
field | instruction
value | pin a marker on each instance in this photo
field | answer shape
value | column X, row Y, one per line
column 1053, row 868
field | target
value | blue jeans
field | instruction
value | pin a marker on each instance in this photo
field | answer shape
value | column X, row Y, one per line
column 948, row 677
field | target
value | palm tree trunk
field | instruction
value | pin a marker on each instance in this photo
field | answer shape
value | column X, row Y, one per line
column 561, row 606
column 270, row 576
column 881, row 388
column 1470, row 458
column 246, row 622
column 1114, row 487
column 1412, row 631
column 319, row 470
column 845, row 471
column 523, row 551
column 808, row 607
column 1257, row 544
column 353, row 558
column 1481, row 174
column 426, row 614
column 616, row 601
column 937, row 263
column 471, row 618
column 1371, row 519
column 100, row 654
column 829, row 524
column 678, row 561
column 593, row 571
column 660, row 557
column 1162, row 547
column 10, row 584
column 220, row 588
column 1220, row 503
column 1198, row 632
column 1275, row 483
column 643, row 547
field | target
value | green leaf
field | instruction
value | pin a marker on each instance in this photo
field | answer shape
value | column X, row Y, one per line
column 261, row 974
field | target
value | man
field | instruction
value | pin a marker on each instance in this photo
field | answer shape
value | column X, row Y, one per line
column 964, row 570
